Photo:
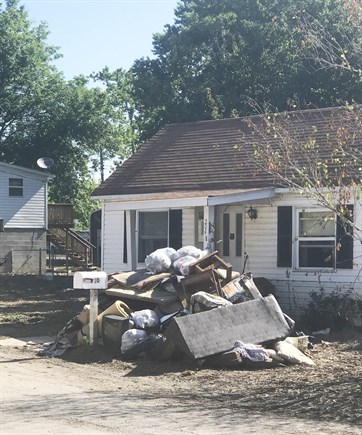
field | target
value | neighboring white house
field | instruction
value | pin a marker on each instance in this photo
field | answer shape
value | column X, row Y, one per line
column 23, row 219
column 189, row 185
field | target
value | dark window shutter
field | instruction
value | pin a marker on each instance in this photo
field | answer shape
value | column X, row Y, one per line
column 345, row 242
column 125, row 259
column 239, row 234
column 284, row 244
column 175, row 229
column 226, row 234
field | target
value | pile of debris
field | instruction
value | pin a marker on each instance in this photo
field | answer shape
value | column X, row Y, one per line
column 189, row 303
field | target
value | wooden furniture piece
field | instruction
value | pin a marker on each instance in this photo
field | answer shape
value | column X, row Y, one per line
column 207, row 281
column 210, row 262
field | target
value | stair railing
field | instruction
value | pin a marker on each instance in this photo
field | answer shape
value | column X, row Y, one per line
column 75, row 244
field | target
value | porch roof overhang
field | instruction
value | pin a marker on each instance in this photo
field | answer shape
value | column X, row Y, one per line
column 197, row 198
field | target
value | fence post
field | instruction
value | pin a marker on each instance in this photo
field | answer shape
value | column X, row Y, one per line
column 66, row 249
column 40, row 261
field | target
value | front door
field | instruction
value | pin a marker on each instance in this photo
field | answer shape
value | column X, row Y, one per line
column 229, row 235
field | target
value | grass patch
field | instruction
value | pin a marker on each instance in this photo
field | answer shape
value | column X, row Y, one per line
column 21, row 318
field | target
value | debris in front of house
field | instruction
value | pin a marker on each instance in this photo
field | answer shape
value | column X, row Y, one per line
column 66, row 339
column 83, row 316
column 191, row 304
column 119, row 308
column 322, row 332
column 146, row 287
column 325, row 343
column 251, row 351
column 160, row 260
column 210, row 332
column 274, row 356
column 136, row 341
column 202, row 301
column 145, row 319
column 113, row 328
column 131, row 338
column 301, row 342
column 182, row 265
column 291, row 354
column 233, row 291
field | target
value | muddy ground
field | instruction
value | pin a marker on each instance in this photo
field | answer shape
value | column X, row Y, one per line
column 329, row 392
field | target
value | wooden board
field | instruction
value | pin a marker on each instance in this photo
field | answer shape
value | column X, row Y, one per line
column 157, row 296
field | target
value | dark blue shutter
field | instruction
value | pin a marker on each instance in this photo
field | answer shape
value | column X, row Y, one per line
column 175, row 229
column 284, row 237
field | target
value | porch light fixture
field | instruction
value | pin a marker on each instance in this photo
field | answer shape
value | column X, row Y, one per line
column 252, row 213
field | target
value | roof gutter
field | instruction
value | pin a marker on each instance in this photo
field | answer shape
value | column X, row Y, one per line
column 200, row 201
column 252, row 195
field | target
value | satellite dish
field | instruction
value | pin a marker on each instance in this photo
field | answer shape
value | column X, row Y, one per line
column 45, row 162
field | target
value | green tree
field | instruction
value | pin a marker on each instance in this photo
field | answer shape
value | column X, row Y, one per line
column 26, row 75
column 324, row 164
column 42, row 114
column 218, row 55
column 120, row 129
column 316, row 155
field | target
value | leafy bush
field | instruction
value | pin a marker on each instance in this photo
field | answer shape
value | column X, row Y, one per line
column 331, row 310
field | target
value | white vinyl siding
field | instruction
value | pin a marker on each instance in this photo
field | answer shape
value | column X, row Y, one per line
column 28, row 210
column 113, row 236
column 293, row 286
column 260, row 245
column 113, row 240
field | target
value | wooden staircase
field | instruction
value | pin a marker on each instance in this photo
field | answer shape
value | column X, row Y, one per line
column 73, row 246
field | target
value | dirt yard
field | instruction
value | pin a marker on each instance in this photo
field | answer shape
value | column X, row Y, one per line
column 326, row 398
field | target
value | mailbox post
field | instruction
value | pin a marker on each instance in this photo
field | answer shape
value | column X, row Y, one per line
column 92, row 281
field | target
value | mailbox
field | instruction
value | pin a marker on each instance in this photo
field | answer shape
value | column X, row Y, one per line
column 90, row 280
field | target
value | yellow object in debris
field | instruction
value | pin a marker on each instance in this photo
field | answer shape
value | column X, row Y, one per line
column 119, row 308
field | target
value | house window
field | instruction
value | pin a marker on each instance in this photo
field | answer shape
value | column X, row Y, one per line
column 15, row 187
column 322, row 240
column 316, row 240
column 152, row 232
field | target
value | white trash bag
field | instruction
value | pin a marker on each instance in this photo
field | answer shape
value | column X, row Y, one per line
column 182, row 265
column 170, row 252
column 144, row 319
column 191, row 251
column 160, row 260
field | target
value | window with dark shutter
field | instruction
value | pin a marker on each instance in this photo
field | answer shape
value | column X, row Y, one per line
column 344, row 246
column 284, row 237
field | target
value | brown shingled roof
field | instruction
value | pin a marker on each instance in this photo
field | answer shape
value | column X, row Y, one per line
column 206, row 155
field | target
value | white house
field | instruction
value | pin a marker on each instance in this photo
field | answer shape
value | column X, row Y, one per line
column 194, row 184
column 23, row 219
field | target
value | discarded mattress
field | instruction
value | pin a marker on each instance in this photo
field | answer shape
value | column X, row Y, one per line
column 207, row 333
column 156, row 296
column 141, row 279
column 141, row 285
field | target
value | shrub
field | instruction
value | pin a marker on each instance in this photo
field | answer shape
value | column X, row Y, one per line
column 331, row 310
